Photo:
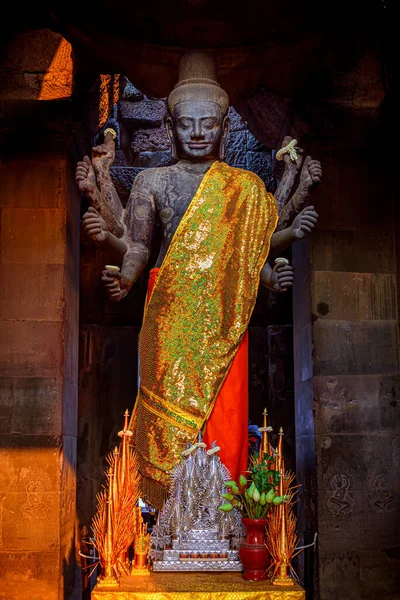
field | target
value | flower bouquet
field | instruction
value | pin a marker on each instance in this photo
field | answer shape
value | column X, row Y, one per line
column 254, row 496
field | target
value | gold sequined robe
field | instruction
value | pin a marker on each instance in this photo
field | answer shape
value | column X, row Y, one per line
column 198, row 312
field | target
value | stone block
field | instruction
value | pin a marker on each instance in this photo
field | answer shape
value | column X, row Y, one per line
column 379, row 575
column 31, row 348
column 355, row 462
column 339, row 575
column 37, row 66
column 383, row 515
column 260, row 163
column 346, row 404
column 356, row 404
column 146, row 113
column 354, row 296
column 389, row 399
column 350, row 194
column 35, row 181
column 30, row 520
column 342, row 518
column 236, row 149
column 364, row 251
column 266, row 113
column 150, row 140
column 28, row 462
column 131, row 93
column 254, row 145
column 30, row 404
column 148, row 160
column 32, row 292
column 237, row 123
column 123, row 178
column 33, row 236
column 351, row 347
column 37, row 572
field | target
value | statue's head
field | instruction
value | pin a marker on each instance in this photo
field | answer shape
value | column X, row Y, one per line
column 198, row 125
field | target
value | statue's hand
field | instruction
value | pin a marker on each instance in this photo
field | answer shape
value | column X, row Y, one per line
column 103, row 157
column 311, row 173
column 94, row 225
column 304, row 224
column 85, row 177
column 115, row 284
column 282, row 278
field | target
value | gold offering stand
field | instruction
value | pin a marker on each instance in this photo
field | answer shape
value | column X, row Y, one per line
column 197, row 586
column 118, row 524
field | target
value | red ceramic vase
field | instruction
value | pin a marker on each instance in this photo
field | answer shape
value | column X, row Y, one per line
column 253, row 553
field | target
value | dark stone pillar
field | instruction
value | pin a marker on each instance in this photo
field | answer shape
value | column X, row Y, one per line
column 39, row 210
column 347, row 380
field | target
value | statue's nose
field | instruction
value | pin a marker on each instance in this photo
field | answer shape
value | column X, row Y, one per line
column 197, row 132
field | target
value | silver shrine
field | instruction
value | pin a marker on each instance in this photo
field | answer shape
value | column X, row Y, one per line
column 191, row 533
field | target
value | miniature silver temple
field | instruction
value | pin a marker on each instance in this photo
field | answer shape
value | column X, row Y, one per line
column 191, row 533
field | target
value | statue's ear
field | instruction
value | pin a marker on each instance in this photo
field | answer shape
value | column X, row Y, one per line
column 170, row 133
column 226, row 127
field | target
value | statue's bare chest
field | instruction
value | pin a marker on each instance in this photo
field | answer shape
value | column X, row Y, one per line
column 173, row 194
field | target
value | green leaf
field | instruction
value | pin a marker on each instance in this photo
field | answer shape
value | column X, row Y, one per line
column 242, row 480
column 226, row 507
column 278, row 500
column 250, row 490
column 270, row 496
column 228, row 496
column 230, row 484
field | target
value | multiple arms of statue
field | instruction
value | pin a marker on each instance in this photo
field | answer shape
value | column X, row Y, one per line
column 103, row 220
column 295, row 221
column 140, row 219
column 94, row 181
column 107, row 222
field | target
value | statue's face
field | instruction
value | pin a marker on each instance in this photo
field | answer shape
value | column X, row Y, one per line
column 197, row 128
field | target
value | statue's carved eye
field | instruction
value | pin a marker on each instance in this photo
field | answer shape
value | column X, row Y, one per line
column 185, row 123
column 209, row 123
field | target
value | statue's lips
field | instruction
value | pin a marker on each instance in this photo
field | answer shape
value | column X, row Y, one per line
column 198, row 144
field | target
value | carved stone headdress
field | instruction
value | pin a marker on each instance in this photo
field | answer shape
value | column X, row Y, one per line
column 198, row 81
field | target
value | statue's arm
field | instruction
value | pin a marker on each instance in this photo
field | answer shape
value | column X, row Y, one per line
column 302, row 226
column 94, row 181
column 140, row 221
column 103, row 157
column 96, row 228
column 311, row 175
column 292, row 167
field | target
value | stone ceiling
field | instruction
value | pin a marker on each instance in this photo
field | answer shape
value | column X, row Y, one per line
column 291, row 47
